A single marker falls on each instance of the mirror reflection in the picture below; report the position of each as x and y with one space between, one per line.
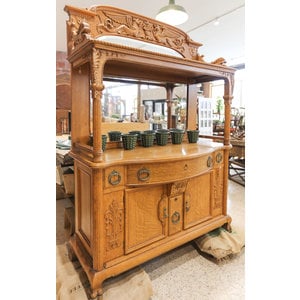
128 101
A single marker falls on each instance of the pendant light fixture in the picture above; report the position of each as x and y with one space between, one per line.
172 14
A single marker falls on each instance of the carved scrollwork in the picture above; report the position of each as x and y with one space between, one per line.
78 30
177 188
218 188
113 225
97 64
200 57
141 29
105 20
219 61
83 33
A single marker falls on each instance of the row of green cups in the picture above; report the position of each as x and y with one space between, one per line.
147 137
161 136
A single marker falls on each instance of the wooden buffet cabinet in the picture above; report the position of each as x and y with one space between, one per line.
133 205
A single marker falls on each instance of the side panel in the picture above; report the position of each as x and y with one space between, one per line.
83 205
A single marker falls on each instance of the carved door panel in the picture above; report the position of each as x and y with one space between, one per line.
145 216
197 200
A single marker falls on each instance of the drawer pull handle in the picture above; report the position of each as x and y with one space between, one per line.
175 217
219 157
187 206
209 161
165 214
185 167
162 209
143 174
114 177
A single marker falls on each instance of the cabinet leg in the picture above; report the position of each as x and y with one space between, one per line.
97 294
69 222
227 227
71 253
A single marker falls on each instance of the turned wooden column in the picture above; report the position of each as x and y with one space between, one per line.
206 87
228 90
97 65
169 88
192 107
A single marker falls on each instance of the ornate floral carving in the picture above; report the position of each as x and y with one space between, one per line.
96 75
83 33
200 57
219 61
138 28
113 225
218 188
177 188
78 30
103 20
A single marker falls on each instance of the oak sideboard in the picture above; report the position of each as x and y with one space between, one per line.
133 205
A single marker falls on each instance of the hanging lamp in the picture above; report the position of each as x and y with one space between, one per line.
172 14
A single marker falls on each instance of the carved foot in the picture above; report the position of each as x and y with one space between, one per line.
227 227
71 253
97 294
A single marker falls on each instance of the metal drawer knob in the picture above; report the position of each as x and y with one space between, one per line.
219 157
175 217
209 161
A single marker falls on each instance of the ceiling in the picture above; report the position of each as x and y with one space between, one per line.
224 40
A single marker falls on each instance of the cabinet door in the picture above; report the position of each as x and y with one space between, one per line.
197 200
145 216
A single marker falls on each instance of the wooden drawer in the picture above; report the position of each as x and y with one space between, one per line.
168 171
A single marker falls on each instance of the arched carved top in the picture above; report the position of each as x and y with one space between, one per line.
100 21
